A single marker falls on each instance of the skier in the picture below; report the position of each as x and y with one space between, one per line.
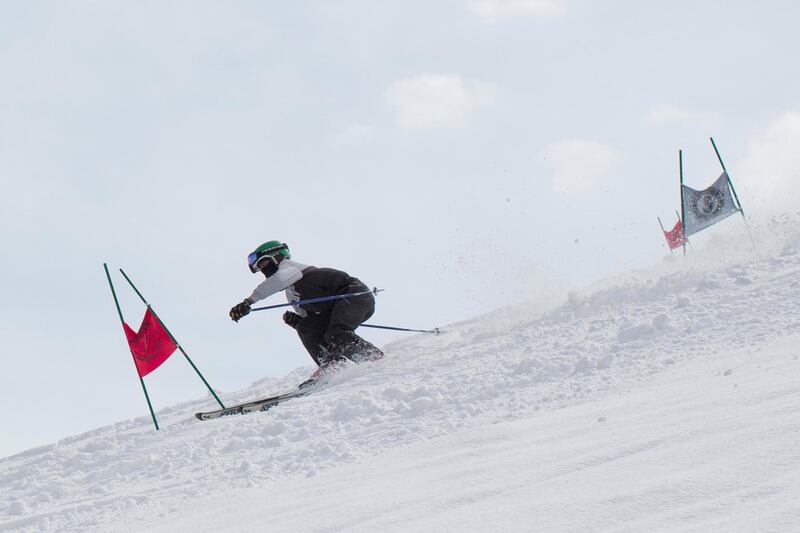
326 329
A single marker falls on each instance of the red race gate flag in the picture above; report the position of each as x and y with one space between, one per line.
675 237
151 345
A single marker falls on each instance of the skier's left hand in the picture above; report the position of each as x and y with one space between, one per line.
292 319
241 310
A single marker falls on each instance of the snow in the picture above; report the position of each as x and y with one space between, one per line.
663 400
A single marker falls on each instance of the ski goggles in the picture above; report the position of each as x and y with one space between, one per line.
257 260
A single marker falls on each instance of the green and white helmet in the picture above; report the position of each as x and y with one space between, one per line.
269 251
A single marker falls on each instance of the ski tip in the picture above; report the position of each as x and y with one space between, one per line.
199 416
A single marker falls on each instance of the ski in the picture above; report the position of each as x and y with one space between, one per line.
263 404
316 382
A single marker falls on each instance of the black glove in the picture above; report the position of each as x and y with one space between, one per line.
240 310
292 319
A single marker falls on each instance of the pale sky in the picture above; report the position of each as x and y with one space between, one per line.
459 154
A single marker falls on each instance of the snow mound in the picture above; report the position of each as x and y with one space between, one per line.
622 383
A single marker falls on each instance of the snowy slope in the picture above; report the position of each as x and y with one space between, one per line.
660 400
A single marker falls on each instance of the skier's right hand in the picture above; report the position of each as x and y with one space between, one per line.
240 310
291 319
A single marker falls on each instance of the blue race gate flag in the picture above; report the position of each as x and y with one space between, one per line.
707 207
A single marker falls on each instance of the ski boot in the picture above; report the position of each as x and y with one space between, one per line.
324 371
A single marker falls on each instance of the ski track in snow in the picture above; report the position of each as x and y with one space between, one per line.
494 388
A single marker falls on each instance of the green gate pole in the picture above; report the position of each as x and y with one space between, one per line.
174 340
735 196
665 235
119 311
730 183
685 238
683 208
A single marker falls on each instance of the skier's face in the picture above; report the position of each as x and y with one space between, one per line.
268 266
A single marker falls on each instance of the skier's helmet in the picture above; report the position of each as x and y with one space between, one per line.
270 251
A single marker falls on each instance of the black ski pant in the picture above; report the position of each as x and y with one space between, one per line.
331 335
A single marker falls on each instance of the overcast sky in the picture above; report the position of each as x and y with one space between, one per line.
459 154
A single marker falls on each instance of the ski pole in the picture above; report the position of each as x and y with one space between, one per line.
435 331
375 290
